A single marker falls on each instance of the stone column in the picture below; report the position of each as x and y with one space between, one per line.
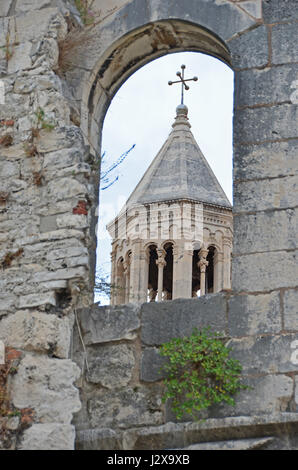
202 264
120 284
134 271
126 266
143 275
218 267
113 276
182 270
227 246
161 263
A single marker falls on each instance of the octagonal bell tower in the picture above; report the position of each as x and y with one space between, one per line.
173 238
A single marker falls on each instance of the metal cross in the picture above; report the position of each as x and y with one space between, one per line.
182 81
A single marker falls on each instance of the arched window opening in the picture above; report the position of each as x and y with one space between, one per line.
195 289
153 274
120 283
178 213
168 273
210 270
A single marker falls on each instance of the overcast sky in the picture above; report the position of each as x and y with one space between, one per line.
142 113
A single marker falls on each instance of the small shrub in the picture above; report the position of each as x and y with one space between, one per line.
42 122
199 372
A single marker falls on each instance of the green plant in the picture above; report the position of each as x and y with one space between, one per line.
199 372
42 122
84 8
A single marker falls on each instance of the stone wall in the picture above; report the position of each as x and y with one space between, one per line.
122 387
45 240
50 133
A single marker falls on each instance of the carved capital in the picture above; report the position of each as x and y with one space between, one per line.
161 253
202 264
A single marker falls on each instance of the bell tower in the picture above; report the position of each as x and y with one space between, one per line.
173 238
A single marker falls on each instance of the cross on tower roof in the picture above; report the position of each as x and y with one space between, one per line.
182 81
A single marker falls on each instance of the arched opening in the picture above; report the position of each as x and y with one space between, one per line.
210 278
120 282
152 274
135 165
168 272
195 289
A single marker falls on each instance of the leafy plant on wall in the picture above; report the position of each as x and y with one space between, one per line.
199 372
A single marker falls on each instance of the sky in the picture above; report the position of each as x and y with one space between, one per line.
142 113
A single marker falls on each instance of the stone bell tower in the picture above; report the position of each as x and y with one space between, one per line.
173 238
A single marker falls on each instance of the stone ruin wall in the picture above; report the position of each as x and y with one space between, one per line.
121 387
49 190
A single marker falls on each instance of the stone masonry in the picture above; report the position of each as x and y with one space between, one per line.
122 386
52 106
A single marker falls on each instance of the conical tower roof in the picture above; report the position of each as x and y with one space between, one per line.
179 171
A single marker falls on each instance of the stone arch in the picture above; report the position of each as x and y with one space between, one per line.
131 52
142 31
258 42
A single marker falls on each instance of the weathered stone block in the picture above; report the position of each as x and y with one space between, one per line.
65 188
73 248
37 331
284 50
266 86
54 235
179 317
48 223
50 436
296 391
151 365
20 59
266 161
277 193
265 231
9 170
265 123
59 138
269 394
250 49
254 314
72 221
264 271
290 302
66 273
34 300
268 354
64 158
98 439
106 323
275 10
238 444
126 408
111 366
4 7
171 435
42 22
227 20
46 385
7 303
